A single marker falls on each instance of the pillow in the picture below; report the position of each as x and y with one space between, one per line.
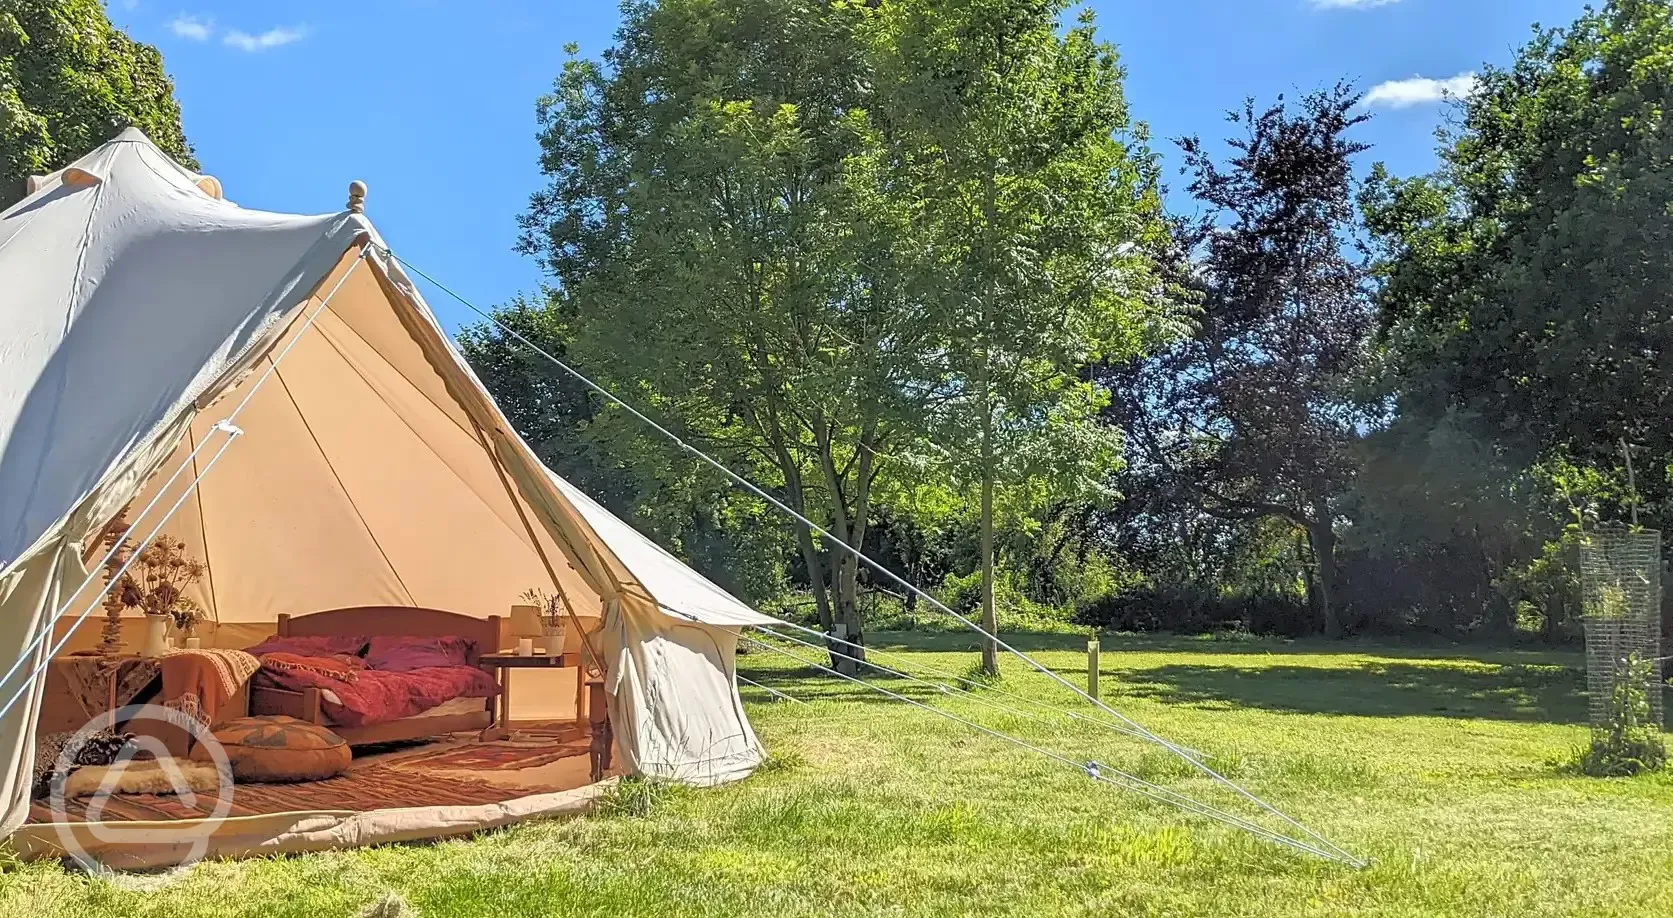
396 653
342 668
278 749
311 645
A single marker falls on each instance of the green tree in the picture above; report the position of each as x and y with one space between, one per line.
69 81
727 236
1258 415
1040 211
1526 282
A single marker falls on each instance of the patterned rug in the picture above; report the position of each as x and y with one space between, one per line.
409 780
523 750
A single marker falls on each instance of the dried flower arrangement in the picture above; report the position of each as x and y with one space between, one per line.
155 583
554 609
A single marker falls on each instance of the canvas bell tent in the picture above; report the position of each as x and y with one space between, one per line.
274 390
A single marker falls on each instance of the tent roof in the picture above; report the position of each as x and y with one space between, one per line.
131 290
128 290
659 572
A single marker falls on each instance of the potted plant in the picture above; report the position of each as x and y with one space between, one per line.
186 616
553 610
156 585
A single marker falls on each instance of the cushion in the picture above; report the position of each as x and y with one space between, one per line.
277 749
394 653
342 668
311 645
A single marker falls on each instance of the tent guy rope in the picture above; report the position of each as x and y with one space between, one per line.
1093 770
963 682
226 426
1338 853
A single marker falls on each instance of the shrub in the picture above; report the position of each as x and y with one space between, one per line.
1183 609
1016 611
1629 741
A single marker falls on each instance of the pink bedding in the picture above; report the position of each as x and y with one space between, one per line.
401 653
376 696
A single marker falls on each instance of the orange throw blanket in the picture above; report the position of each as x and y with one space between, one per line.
210 676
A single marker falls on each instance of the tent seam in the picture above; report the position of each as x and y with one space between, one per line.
343 487
420 437
425 395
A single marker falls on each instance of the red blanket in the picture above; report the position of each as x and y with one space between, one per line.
376 697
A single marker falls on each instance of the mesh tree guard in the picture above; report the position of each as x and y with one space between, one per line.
1620 582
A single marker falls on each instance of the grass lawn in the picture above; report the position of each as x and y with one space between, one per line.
1441 766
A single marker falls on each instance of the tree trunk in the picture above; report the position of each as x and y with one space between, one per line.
990 620
1322 535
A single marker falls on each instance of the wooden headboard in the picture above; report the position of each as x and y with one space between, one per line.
402 620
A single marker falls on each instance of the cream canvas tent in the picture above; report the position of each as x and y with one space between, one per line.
139 311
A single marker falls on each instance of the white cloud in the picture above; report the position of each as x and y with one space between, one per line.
272 38
1419 91
1350 4
191 27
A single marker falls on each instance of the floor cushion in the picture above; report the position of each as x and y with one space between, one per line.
278 749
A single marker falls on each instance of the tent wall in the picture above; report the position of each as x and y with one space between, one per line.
357 482
673 698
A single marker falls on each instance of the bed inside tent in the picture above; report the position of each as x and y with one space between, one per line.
271 395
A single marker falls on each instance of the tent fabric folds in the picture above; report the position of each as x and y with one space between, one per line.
138 309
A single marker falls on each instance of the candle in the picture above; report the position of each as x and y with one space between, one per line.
525 647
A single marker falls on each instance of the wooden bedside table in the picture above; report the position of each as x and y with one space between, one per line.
505 660
588 692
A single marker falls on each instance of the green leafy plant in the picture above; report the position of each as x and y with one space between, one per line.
1629 742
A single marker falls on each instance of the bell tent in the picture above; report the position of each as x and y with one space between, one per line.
273 390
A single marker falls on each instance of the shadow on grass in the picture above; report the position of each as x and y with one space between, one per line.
1515 692
807 683
1231 645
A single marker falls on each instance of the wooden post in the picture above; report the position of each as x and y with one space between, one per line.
1092 665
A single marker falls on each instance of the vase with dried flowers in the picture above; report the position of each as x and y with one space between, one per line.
156 585
554 616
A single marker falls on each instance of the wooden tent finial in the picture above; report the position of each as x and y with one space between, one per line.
357 197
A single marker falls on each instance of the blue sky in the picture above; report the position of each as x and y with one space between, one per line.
431 102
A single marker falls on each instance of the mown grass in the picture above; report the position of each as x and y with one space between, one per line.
1444 767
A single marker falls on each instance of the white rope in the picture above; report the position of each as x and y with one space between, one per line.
93 571
1094 770
939 687
751 487
23 689
943 674
225 425
768 689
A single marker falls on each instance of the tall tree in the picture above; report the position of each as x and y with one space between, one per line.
1526 285
1040 208
724 229
69 81
1257 416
